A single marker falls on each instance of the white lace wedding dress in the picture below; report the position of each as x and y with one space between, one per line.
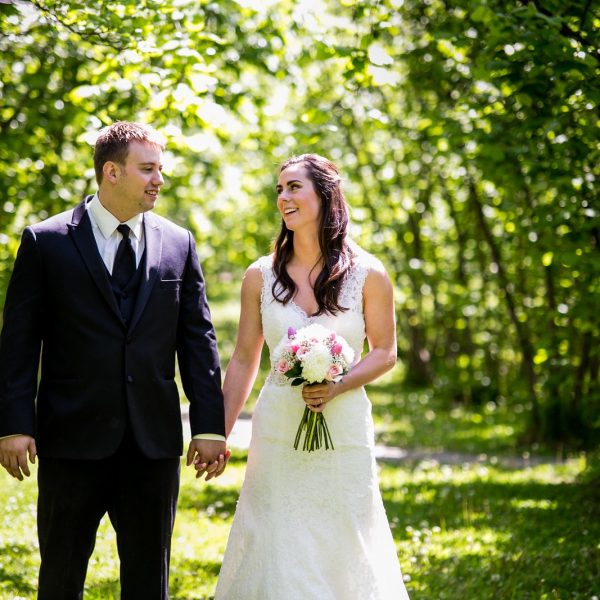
311 525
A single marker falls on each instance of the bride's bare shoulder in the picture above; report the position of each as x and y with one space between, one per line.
253 276
366 261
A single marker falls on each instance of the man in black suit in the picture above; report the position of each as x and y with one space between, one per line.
109 294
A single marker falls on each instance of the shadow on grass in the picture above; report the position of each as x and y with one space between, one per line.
417 418
189 574
103 590
18 581
222 498
494 539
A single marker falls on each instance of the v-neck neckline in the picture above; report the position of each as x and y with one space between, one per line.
302 311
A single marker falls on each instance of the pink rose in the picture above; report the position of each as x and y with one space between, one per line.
302 350
336 349
283 366
291 348
334 371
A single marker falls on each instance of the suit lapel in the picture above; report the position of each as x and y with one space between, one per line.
152 256
80 229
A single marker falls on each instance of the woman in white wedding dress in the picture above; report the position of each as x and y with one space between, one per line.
311 525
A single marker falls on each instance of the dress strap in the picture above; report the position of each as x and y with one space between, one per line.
265 264
351 296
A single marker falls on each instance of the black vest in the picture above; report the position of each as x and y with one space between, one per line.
127 297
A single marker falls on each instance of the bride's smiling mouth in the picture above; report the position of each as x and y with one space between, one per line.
289 211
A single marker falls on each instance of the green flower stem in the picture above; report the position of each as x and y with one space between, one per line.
317 432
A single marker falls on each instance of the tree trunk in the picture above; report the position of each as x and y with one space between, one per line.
521 327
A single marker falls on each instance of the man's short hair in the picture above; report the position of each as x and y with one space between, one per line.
113 143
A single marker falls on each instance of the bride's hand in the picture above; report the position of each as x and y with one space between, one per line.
317 395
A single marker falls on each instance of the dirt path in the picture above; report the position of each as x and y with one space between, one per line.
240 438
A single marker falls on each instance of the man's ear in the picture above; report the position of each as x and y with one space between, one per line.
111 171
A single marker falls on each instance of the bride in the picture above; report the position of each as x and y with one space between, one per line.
311 525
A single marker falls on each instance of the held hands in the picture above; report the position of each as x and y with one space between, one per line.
13 455
317 395
209 457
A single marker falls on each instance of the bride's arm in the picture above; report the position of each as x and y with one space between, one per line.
380 324
244 363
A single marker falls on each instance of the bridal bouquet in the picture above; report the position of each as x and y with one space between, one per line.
313 354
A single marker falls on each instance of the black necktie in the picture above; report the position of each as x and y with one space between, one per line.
124 266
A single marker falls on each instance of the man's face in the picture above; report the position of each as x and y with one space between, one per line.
140 178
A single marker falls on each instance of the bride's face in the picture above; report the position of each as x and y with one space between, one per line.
297 200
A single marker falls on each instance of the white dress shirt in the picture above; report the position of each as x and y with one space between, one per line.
104 226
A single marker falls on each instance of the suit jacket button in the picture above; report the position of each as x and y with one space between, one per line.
129 379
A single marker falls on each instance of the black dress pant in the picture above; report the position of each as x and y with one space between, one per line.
140 496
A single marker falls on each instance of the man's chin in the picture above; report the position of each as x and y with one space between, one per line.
147 204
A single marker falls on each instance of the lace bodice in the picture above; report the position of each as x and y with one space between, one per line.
350 324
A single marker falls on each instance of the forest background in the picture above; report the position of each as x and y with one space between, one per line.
466 132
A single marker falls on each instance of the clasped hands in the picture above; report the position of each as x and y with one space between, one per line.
209 457
316 395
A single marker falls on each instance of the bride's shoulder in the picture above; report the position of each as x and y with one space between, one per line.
257 271
264 263
252 281
365 262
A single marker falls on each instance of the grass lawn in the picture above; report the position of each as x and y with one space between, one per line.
470 531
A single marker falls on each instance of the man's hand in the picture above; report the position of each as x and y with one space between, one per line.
208 456
13 454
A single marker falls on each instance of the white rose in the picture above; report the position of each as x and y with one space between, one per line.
316 363
313 331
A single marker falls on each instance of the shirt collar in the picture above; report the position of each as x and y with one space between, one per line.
107 222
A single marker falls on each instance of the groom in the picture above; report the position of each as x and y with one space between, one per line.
109 293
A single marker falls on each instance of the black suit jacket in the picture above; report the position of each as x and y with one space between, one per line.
96 372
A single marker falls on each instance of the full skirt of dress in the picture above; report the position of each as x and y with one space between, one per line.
310 525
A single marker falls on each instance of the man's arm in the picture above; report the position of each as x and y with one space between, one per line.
20 343
200 370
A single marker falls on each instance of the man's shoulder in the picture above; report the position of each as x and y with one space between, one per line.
155 220
56 223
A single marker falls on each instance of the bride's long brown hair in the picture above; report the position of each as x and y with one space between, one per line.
333 224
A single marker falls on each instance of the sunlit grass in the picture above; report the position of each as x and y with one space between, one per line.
470 531
478 532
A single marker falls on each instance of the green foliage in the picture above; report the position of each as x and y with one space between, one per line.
467 133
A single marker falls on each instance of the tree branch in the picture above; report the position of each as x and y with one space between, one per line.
568 32
104 38
585 12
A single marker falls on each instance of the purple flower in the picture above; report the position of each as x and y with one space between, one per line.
291 332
